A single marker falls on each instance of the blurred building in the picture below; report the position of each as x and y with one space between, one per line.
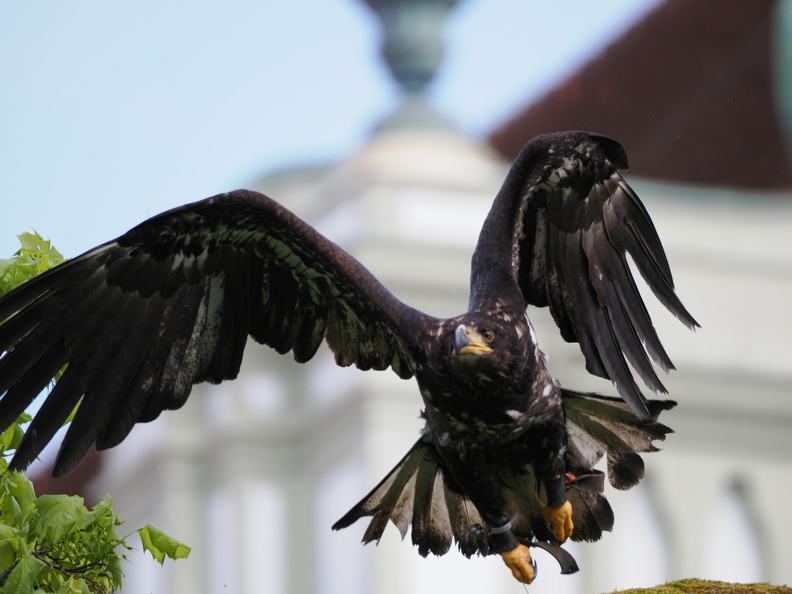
253 473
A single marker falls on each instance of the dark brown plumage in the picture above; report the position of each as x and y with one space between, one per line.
141 319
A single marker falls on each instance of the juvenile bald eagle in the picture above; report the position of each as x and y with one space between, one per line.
506 457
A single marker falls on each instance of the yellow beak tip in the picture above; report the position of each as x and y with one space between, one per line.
473 349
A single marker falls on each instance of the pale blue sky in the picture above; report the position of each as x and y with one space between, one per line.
113 111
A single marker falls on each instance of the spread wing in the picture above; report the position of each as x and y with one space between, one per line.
561 226
141 319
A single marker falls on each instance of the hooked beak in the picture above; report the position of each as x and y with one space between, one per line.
468 342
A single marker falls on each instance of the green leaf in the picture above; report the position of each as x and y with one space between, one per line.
101 515
23 577
57 516
17 495
161 545
8 538
12 437
5 265
34 257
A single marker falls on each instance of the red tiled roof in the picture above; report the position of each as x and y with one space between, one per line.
688 91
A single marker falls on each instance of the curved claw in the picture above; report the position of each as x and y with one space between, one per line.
519 560
560 520
565 560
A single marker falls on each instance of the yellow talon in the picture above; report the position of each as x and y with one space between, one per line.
560 520
519 561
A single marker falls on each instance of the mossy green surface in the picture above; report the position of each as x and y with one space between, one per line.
694 586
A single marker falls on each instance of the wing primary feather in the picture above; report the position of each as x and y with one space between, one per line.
633 213
340 336
92 307
43 309
24 356
65 274
137 400
223 355
41 333
617 268
312 332
168 390
596 325
50 418
565 304
598 252
559 299
661 289
278 307
631 230
49 360
106 369
131 399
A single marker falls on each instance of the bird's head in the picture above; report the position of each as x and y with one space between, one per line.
489 344
472 341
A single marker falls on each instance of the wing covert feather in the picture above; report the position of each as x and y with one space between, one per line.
169 304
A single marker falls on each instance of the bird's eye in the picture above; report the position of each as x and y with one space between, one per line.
487 335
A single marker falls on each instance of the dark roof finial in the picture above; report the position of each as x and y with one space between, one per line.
413 42
413 49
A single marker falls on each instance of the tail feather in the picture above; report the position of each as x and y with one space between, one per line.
599 425
625 469
420 494
591 514
462 514
382 502
431 527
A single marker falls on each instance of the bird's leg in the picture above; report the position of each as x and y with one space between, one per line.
477 481
558 511
560 520
519 561
550 466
